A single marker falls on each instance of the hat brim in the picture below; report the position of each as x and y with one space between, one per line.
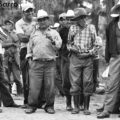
43 17
78 18
8 21
28 8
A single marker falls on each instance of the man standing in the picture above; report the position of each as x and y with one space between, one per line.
4 93
112 56
81 43
65 24
42 48
11 54
24 28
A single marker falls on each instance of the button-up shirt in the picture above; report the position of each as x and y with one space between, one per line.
40 46
81 39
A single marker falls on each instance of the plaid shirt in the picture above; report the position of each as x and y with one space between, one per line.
82 40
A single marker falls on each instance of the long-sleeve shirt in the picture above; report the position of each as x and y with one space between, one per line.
40 46
82 40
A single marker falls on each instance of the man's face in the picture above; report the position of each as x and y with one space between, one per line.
82 21
28 13
44 22
63 21
9 26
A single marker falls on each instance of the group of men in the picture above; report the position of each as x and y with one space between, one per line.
68 52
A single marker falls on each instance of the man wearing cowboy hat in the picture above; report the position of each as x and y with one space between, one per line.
24 28
11 54
64 59
42 49
81 43
112 56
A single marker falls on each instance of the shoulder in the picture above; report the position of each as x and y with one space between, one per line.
54 32
20 22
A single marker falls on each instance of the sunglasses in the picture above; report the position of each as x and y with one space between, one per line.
43 19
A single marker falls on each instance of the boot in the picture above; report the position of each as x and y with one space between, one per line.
76 104
86 105
68 103
81 102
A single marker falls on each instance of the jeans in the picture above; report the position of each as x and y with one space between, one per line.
42 72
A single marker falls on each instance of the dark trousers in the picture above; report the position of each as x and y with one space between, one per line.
58 76
95 72
4 93
24 70
80 67
65 74
42 72
15 70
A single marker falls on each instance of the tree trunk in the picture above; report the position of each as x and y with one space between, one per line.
109 5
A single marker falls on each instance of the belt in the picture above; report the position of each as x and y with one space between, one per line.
83 55
45 60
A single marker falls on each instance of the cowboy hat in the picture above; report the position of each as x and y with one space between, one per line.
79 12
42 14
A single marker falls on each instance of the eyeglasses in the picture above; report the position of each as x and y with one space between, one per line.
43 19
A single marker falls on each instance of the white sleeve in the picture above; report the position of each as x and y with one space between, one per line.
18 28
57 39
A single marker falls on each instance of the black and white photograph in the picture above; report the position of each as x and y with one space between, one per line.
59 59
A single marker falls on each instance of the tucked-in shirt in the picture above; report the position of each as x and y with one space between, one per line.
25 28
40 46
81 39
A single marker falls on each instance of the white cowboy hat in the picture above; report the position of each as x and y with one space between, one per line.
27 6
70 14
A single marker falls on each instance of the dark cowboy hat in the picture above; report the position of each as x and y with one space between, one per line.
116 8
8 21
79 12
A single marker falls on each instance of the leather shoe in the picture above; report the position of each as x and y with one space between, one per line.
87 112
0 110
49 110
30 110
69 108
13 105
100 109
75 111
24 106
104 114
